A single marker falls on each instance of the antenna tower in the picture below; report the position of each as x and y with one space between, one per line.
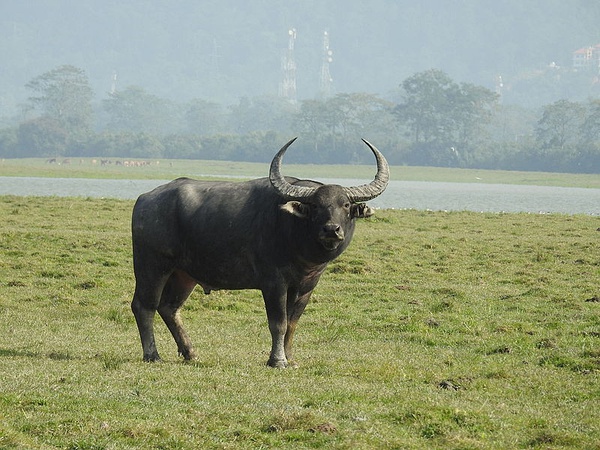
113 84
325 81
499 86
214 60
287 88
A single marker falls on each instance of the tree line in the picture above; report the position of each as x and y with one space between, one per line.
430 120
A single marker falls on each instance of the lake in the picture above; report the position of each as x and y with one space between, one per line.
434 196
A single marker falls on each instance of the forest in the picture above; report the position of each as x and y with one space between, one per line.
433 120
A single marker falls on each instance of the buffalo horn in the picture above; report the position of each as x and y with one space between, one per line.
356 194
285 189
376 187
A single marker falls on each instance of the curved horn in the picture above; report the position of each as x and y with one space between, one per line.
376 187
285 189
356 194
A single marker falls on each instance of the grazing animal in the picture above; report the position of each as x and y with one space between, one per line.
273 234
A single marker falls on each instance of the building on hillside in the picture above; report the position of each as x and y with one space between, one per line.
587 57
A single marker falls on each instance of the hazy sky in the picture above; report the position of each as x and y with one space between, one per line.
225 49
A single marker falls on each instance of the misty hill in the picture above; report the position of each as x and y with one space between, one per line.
221 50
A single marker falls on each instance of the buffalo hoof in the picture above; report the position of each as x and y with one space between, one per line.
292 364
277 363
152 358
188 355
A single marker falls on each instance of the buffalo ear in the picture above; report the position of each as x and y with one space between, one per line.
298 209
362 210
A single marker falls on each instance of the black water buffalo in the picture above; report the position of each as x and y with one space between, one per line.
273 234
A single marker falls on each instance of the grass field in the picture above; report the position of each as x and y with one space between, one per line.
169 169
434 330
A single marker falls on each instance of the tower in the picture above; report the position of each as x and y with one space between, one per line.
113 84
287 88
326 81
215 71
499 88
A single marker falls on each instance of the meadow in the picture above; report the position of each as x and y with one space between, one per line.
169 169
434 330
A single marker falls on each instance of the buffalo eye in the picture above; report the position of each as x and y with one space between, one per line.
348 208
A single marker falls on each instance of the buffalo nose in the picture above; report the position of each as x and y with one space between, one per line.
331 228
333 231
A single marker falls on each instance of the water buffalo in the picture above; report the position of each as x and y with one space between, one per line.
273 234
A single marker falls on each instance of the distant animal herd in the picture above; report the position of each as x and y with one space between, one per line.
105 162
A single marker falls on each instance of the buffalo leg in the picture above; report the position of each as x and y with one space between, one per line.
176 291
145 302
295 309
275 304
144 318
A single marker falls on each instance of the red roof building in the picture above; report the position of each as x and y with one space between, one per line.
587 56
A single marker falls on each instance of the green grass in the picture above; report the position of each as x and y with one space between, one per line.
169 169
433 331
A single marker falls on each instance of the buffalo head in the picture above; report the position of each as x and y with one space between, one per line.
329 209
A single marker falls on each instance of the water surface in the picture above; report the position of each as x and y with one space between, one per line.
399 194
